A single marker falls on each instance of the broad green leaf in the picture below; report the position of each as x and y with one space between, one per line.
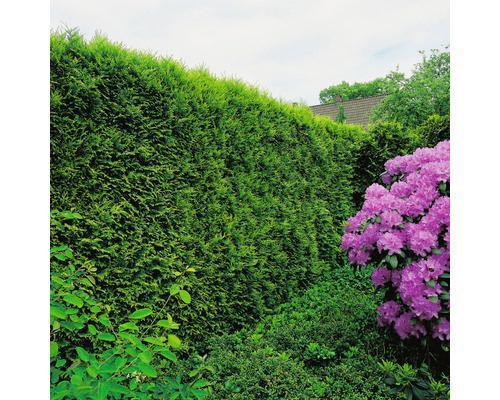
91 371
167 324
128 326
201 383
82 353
106 336
70 215
140 314
174 341
174 289
105 321
54 349
58 312
119 363
72 299
92 329
146 356
185 296
393 261
147 370
118 389
76 380
60 362
133 384
95 309
167 354
155 340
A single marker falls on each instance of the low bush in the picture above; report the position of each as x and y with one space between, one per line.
244 369
328 337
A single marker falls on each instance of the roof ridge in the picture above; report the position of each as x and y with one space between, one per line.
349 101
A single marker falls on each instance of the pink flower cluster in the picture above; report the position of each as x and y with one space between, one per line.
404 229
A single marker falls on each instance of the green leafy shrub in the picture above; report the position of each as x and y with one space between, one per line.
426 92
354 377
92 358
385 140
433 130
327 337
328 319
130 365
174 169
245 369
409 383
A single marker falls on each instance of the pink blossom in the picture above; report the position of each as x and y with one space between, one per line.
411 218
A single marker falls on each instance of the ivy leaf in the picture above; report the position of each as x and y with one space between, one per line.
185 296
141 313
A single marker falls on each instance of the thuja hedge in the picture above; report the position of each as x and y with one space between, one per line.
386 140
172 168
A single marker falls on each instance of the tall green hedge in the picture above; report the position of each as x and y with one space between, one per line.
173 168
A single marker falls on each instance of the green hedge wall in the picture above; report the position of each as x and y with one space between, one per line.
173 168
386 140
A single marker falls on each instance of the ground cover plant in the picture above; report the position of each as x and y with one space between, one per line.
322 345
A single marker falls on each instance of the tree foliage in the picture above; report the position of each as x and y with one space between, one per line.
410 100
359 90
424 93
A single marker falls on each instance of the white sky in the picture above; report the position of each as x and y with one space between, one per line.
289 48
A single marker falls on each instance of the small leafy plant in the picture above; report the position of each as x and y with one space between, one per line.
410 383
91 358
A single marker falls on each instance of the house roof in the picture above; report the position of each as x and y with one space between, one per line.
356 111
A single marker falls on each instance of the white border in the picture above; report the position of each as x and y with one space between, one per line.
24 166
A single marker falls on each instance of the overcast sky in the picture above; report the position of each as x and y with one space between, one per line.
289 48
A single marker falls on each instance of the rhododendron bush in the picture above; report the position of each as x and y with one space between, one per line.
403 229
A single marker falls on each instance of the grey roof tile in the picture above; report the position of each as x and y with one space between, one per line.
356 111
